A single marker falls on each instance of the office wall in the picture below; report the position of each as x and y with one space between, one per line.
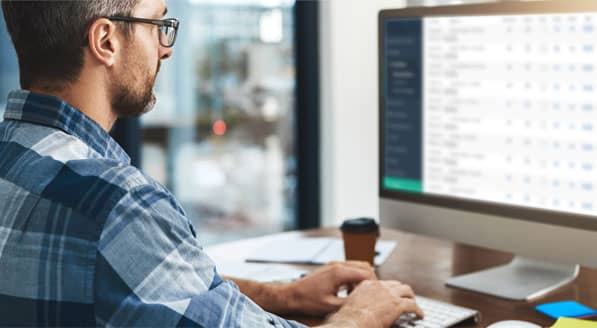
349 107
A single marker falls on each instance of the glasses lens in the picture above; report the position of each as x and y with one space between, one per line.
167 36
171 35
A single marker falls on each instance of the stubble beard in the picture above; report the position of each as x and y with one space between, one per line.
128 100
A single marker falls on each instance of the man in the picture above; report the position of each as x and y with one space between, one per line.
87 239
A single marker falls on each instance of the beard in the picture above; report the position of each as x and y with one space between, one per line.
130 100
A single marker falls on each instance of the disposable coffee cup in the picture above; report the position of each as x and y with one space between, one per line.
360 236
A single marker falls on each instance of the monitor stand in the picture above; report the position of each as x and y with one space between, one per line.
522 279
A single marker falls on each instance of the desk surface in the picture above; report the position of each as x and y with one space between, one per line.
426 263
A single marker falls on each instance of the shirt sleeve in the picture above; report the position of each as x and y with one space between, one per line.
151 271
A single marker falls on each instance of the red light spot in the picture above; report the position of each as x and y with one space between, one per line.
219 128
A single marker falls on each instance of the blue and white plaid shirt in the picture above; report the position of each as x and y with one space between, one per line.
86 239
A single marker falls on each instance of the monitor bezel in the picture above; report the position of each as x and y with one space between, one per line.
566 219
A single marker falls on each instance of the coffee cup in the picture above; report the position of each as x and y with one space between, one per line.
360 236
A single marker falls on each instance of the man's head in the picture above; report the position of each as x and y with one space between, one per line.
61 43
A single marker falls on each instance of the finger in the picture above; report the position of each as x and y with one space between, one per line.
360 264
408 305
333 303
363 266
350 288
357 264
345 275
406 291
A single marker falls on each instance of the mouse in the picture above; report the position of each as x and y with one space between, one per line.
513 324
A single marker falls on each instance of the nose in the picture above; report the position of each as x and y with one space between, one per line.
165 53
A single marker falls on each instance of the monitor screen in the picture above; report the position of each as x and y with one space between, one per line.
492 113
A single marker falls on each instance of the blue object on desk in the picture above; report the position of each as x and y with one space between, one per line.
569 309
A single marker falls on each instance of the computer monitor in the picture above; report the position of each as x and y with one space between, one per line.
488 135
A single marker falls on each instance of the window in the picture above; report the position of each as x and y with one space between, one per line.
222 134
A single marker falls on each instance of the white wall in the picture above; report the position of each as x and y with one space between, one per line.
349 108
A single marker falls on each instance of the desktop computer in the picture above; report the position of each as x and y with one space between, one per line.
488 135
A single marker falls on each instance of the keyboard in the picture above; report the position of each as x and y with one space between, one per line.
437 315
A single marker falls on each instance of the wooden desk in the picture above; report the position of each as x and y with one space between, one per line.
425 264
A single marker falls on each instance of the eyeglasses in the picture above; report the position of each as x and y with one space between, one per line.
168 27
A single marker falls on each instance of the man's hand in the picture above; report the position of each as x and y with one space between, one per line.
375 304
372 303
316 293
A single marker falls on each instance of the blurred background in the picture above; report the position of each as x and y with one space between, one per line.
222 135
237 133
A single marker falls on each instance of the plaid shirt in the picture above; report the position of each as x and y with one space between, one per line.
86 239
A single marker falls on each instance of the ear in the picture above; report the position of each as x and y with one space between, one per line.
104 42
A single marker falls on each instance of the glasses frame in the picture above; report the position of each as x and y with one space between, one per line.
168 22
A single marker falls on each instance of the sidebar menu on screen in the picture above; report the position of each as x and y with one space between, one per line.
403 169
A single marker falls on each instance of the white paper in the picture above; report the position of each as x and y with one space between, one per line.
260 272
318 250
230 260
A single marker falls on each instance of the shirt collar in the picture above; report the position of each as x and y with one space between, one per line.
23 105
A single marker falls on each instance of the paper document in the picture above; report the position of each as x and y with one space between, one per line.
230 260
318 250
260 272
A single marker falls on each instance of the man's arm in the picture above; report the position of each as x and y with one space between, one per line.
315 294
151 271
272 297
